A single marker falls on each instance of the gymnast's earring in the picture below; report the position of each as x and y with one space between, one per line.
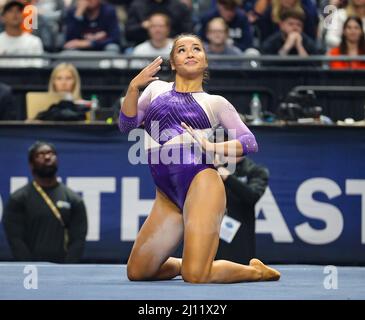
172 65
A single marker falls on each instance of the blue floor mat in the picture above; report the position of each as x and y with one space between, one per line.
109 282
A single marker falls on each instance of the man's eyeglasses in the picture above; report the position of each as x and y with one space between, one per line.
43 154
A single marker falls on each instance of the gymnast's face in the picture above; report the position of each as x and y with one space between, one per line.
189 58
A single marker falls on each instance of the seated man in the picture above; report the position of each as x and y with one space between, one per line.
219 44
15 41
159 43
290 40
44 29
45 220
268 22
218 38
92 25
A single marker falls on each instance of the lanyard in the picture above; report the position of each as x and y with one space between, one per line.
54 210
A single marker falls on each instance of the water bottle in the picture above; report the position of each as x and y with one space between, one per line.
256 109
94 106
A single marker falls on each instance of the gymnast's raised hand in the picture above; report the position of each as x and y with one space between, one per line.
142 79
147 74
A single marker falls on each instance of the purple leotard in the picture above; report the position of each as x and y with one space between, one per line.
162 109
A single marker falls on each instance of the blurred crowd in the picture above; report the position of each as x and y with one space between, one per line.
146 27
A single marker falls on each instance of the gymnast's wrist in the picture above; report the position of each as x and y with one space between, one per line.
208 146
133 88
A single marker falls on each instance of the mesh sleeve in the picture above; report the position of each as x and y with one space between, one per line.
232 123
126 123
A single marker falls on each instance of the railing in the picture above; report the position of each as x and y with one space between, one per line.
110 60
342 89
339 92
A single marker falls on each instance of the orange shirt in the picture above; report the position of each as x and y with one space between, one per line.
344 64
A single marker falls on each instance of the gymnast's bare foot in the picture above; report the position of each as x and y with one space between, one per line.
268 274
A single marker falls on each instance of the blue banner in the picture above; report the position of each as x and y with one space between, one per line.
312 212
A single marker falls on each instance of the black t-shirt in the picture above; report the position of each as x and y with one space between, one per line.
33 231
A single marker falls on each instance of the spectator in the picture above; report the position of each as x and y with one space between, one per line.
352 44
15 41
92 25
44 30
8 110
139 11
65 79
290 40
335 28
239 28
159 43
217 35
45 220
268 24
244 188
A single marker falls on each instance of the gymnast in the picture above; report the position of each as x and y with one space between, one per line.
190 196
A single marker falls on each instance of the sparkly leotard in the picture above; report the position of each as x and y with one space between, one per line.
162 109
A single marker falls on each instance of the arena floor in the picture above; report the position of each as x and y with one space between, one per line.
109 282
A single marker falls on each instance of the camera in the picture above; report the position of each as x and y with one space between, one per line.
299 105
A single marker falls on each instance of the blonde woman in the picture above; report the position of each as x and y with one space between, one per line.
65 79
65 82
334 26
